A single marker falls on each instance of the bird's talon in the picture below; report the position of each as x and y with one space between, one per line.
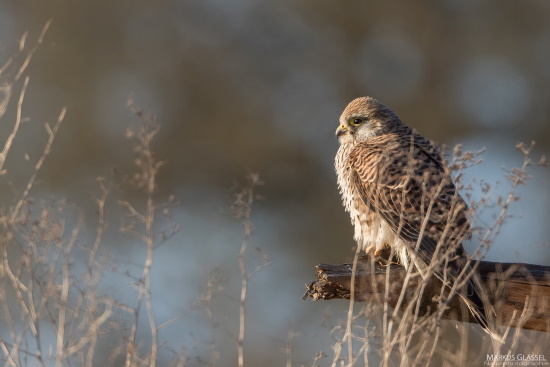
372 250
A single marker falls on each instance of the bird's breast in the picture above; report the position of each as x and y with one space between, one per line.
344 175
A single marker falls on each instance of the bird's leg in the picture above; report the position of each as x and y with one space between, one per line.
382 255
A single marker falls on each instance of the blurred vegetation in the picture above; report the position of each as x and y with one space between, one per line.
259 86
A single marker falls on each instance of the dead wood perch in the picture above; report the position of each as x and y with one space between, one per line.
513 286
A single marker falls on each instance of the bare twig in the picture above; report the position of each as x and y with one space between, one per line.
241 208
145 179
51 135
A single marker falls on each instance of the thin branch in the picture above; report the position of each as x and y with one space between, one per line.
51 136
9 140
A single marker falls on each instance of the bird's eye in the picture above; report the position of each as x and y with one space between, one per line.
356 121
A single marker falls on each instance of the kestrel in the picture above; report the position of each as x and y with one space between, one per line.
399 193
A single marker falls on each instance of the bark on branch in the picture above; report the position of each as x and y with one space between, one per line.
512 288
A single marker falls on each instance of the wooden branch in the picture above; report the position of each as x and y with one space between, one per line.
515 287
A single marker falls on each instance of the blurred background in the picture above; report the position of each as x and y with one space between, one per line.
247 86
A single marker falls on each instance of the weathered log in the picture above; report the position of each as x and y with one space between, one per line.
510 287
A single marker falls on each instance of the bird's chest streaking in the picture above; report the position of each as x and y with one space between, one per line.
372 233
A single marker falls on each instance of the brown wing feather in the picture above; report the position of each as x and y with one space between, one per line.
401 178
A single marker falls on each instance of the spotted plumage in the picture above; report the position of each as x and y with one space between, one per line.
399 193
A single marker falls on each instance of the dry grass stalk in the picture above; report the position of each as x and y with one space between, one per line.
241 208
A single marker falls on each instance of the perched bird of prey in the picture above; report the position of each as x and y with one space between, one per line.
399 193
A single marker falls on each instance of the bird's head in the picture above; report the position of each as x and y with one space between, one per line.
365 118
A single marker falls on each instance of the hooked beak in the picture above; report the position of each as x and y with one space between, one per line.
341 131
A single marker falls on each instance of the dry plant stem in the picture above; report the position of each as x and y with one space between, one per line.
34 319
350 309
19 287
517 177
150 166
288 349
348 334
386 308
51 136
101 224
242 306
247 224
9 140
241 208
318 357
210 289
13 353
64 294
389 340
415 324
147 180
461 279
149 261
366 342
33 50
21 70
88 304
6 87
